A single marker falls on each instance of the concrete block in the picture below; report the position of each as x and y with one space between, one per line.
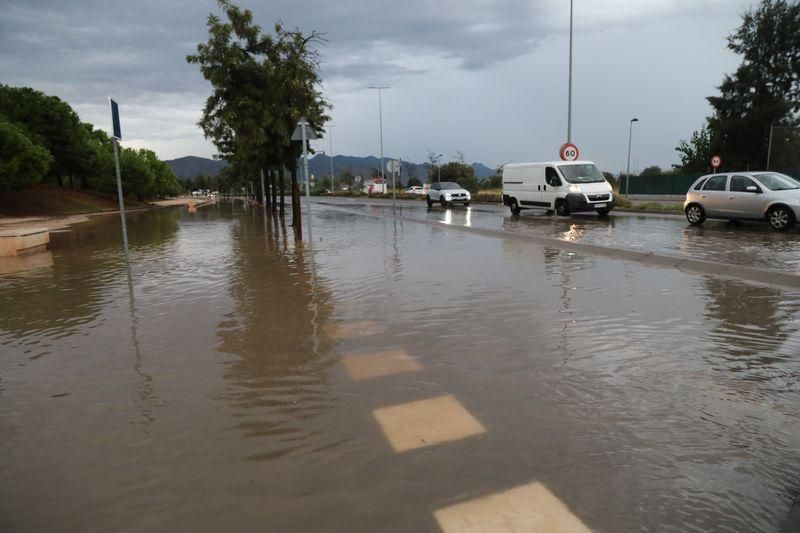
19 241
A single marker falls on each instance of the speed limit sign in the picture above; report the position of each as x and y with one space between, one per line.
716 161
569 152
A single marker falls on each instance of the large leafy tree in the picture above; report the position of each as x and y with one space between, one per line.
52 123
262 85
461 173
23 162
764 91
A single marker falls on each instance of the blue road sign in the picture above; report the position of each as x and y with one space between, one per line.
115 119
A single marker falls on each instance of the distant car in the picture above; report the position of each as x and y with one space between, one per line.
769 196
447 193
416 189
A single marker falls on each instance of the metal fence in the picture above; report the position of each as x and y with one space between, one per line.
667 184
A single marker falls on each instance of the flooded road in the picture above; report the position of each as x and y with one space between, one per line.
391 376
746 243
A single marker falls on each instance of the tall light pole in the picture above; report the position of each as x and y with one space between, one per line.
630 137
569 97
379 88
330 142
439 167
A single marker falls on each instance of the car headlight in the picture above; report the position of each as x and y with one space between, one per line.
447 196
575 188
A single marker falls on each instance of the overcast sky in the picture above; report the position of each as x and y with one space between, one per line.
484 77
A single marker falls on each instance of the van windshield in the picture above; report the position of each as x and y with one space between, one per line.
581 173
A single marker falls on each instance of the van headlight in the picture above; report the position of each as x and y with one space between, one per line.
575 188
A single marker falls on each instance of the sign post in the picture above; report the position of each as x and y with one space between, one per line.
716 162
393 165
117 136
301 133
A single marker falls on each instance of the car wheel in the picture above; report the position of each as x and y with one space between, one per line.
602 212
466 204
562 209
514 206
428 201
780 218
695 214
444 204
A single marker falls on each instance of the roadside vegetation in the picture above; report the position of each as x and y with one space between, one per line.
43 141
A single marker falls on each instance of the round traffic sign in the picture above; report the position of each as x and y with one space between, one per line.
716 161
569 152
393 165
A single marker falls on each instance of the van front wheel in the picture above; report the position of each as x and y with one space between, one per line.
562 209
514 206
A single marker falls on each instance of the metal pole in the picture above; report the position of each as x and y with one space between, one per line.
121 203
305 168
380 122
393 185
769 148
330 140
630 138
569 98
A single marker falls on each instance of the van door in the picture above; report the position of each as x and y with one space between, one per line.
551 187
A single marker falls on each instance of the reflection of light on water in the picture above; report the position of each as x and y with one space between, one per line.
574 234
468 222
448 217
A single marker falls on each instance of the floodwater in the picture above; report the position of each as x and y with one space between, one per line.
391 376
744 243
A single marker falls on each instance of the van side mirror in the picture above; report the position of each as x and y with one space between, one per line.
553 181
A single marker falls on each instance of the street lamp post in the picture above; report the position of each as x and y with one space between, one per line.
439 168
330 146
379 88
630 137
569 96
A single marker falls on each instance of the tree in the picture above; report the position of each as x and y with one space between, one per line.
764 90
51 123
461 173
654 170
696 153
262 85
492 182
23 162
413 182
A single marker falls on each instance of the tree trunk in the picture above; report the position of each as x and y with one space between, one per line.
272 188
60 181
282 189
297 220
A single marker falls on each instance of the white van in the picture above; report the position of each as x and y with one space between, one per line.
562 187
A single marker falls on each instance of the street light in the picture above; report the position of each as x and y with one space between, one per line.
630 137
379 88
330 141
439 168
569 95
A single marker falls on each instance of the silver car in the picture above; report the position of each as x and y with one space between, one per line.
766 196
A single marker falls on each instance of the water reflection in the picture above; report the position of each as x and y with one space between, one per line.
279 367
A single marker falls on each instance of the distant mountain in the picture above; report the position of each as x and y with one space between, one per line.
191 166
319 165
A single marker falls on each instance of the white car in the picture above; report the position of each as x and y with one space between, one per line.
447 193
415 189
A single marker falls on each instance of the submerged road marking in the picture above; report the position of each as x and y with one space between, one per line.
379 364
530 508
426 423
350 330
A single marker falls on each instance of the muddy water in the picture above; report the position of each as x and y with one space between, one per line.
213 392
